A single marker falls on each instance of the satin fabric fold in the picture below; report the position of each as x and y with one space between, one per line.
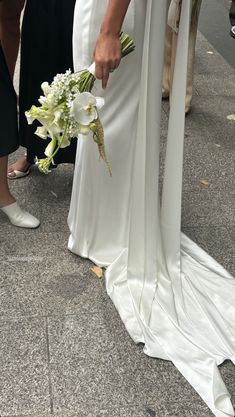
170 294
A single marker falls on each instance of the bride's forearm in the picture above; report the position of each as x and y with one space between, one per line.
107 54
114 16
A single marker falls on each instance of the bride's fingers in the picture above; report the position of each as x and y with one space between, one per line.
102 73
98 71
105 78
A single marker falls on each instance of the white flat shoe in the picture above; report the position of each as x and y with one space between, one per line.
19 217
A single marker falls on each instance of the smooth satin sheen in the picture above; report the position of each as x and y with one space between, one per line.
170 294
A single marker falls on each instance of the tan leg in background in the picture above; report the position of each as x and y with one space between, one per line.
166 82
191 55
10 12
170 51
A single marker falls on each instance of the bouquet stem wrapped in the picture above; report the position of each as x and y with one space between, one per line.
68 109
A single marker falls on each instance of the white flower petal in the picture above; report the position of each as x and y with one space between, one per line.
41 132
84 118
86 99
83 130
99 102
29 117
45 88
66 142
50 148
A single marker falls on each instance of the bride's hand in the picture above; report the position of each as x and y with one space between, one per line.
107 56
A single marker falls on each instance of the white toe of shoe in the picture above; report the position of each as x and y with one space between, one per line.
19 217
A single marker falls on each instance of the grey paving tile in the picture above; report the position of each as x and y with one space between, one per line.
228 375
165 107
42 414
24 389
47 287
207 63
24 380
215 110
56 222
96 412
23 341
182 408
93 360
206 159
89 412
164 118
207 208
206 85
214 129
82 332
170 409
217 241
25 244
56 184
137 411
74 390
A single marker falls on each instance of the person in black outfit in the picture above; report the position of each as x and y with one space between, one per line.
9 143
232 19
46 50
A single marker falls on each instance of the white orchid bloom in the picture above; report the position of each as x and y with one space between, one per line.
84 108
50 148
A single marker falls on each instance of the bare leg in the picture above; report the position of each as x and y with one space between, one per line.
10 30
191 54
5 196
8 204
166 82
10 38
170 52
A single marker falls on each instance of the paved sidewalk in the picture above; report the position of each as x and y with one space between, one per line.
64 351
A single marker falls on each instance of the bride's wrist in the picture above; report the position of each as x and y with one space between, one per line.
109 31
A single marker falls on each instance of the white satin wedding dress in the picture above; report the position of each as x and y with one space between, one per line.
170 294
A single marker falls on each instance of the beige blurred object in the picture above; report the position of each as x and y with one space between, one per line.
171 44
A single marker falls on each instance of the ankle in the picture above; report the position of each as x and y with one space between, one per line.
6 200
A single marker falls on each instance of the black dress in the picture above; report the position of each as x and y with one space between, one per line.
9 140
46 50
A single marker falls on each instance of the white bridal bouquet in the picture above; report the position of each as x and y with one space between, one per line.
68 108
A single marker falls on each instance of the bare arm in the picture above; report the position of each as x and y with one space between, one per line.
107 54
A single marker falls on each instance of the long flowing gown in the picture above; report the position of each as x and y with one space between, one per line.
170 294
